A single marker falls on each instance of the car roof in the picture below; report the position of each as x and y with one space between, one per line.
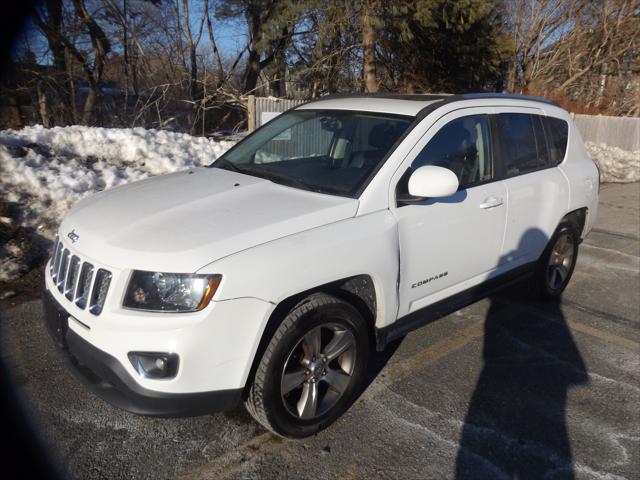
405 104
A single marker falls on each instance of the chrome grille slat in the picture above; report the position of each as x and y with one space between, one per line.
62 272
85 281
72 277
99 291
56 262
79 281
54 249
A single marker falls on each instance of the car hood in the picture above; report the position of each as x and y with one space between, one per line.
181 222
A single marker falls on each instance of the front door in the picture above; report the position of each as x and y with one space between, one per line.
450 244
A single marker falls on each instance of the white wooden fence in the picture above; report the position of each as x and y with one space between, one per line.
262 109
622 132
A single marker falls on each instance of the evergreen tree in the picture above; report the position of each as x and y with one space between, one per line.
405 45
444 46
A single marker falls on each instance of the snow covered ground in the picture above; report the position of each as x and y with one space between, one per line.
43 172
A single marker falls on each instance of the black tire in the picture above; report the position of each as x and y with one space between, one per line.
548 285
266 401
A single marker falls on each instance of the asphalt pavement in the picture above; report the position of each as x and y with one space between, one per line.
505 388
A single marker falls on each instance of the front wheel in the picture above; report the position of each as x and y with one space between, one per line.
313 368
557 262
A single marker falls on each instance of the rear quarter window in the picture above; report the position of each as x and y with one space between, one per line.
557 135
523 146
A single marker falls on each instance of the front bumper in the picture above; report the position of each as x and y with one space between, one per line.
109 380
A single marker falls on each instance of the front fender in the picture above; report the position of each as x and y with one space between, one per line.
282 268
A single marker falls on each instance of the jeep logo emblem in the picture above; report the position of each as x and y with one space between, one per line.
73 236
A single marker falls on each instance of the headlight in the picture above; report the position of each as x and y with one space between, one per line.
170 292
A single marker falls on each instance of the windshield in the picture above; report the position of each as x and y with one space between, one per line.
323 151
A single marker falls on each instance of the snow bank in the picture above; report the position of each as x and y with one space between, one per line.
616 165
43 172
46 171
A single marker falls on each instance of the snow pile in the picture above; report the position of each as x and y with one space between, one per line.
46 171
616 165
10 267
43 172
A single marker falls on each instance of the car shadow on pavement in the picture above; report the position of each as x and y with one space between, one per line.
515 426
379 360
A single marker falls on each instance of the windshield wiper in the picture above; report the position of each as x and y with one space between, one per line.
278 177
264 172
227 165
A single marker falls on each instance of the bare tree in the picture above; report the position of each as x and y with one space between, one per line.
93 69
368 46
577 50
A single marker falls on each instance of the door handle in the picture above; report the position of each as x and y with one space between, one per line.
491 202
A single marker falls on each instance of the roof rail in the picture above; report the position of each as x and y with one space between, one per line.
420 97
438 99
516 96
441 98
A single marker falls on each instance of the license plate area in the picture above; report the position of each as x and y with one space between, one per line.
57 321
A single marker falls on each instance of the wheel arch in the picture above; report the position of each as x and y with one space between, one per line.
358 290
578 218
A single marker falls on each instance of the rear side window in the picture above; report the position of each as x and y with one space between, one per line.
541 141
557 135
523 144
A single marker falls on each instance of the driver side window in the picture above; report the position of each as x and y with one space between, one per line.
463 146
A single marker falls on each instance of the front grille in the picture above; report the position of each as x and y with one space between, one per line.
78 280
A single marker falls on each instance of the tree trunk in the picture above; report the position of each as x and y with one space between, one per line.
125 51
193 66
101 47
368 46
279 85
253 72
214 46
512 74
73 110
42 106
602 83
53 35
89 105
253 66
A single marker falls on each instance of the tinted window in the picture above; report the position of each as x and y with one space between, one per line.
462 146
519 145
558 133
541 141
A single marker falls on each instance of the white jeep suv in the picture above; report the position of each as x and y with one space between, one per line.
271 275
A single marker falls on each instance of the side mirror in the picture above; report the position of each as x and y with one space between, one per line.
433 182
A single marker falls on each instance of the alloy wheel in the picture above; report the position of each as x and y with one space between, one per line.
560 261
318 370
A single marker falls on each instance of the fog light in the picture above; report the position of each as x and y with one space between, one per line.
154 364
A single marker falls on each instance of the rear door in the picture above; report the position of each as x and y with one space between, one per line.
537 191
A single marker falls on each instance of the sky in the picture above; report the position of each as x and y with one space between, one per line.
230 35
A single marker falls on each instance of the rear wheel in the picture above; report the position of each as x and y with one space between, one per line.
312 369
557 263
